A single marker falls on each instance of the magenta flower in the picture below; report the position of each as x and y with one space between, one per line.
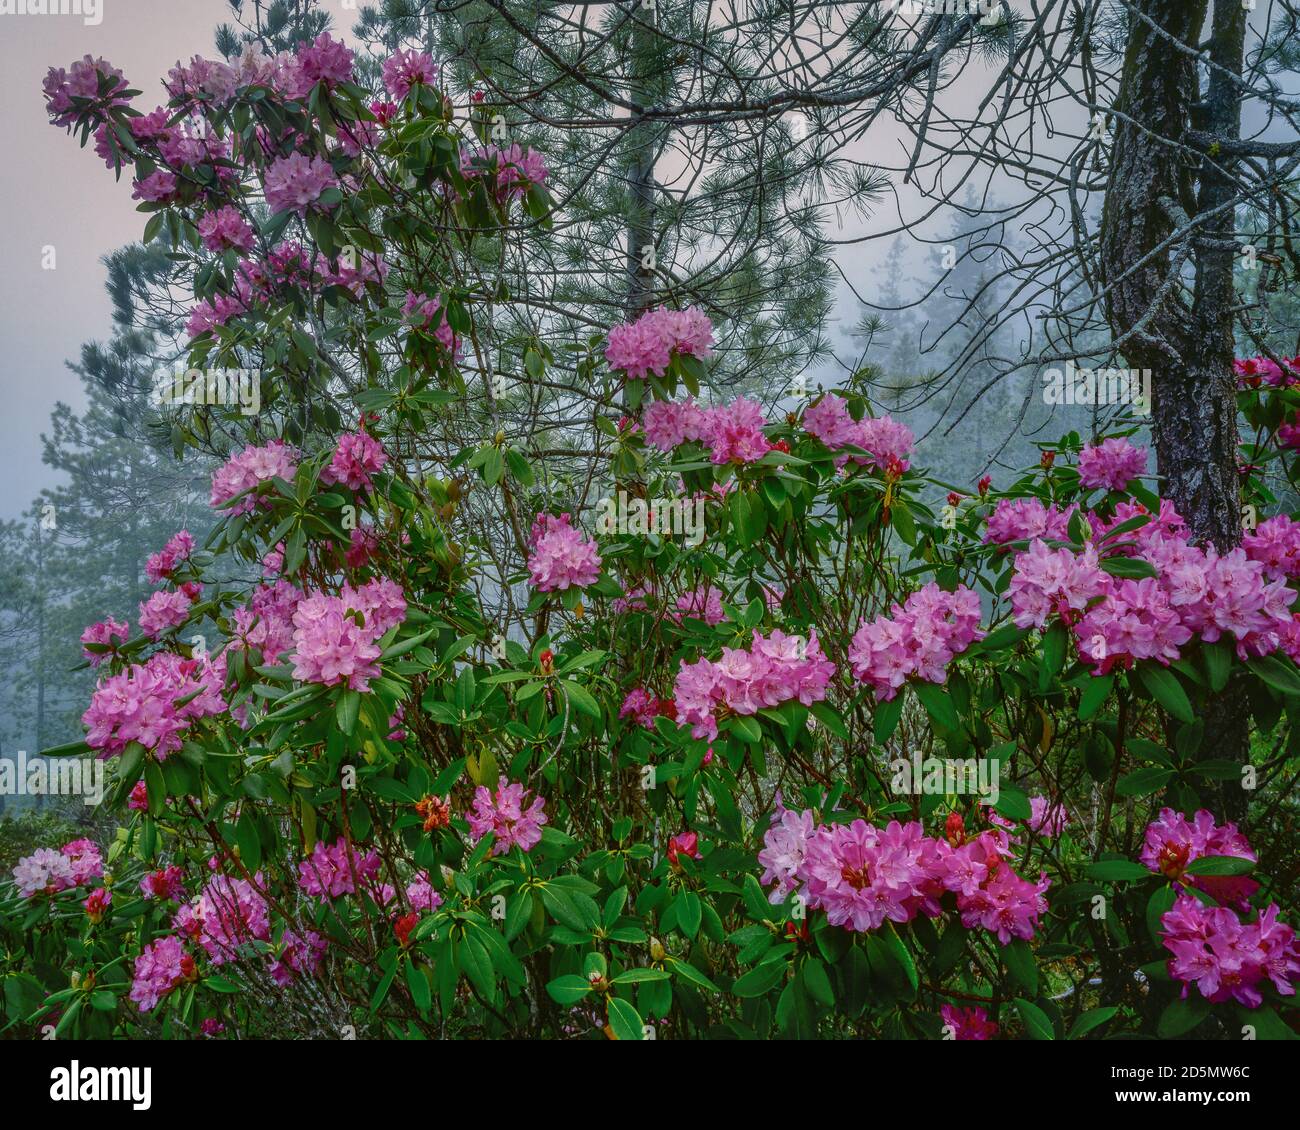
1225 958
358 456
562 557
968 1023
919 640
1021 519
406 69
225 228
335 870
248 468
140 704
296 182
161 966
162 564
105 633
1172 841
163 611
502 813
648 344
1111 464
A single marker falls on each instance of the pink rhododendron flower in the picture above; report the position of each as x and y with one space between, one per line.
358 456
921 637
246 469
296 182
1225 958
405 69
299 955
562 556
511 171
785 844
45 871
1275 544
89 86
644 708
225 228
647 345
421 311
502 813
1134 622
139 798
140 704
158 187
1111 464
334 870
330 647
1172 842
105 633
1022 519
968 1023
266 622
161 966
1057 582
668 423
735 433
162 564
162 612
776 669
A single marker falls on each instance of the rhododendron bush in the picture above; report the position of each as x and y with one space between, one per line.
870 756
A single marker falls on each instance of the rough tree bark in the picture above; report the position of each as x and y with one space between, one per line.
1161 193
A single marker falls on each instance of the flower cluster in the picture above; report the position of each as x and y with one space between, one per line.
775 669
1021 519
1172 842
224 228
358 456
886 442
248 468
335 870
162 564
510 172
164 611
47 872
968 1023
296 182
153 703
406 69
919 639
648 344
1111 464
161 966
502 813
644 708
1226 958
421 311
733 433
562 556
106 633
863 876
335 638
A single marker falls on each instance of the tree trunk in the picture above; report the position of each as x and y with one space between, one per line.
1154 192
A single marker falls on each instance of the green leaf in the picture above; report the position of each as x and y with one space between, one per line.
1143 782
1181 1016
1093 1018
1035 1020
938 705
625 1021
1095 692
1166 690
1117 871
568 989
1019 960
1220 865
